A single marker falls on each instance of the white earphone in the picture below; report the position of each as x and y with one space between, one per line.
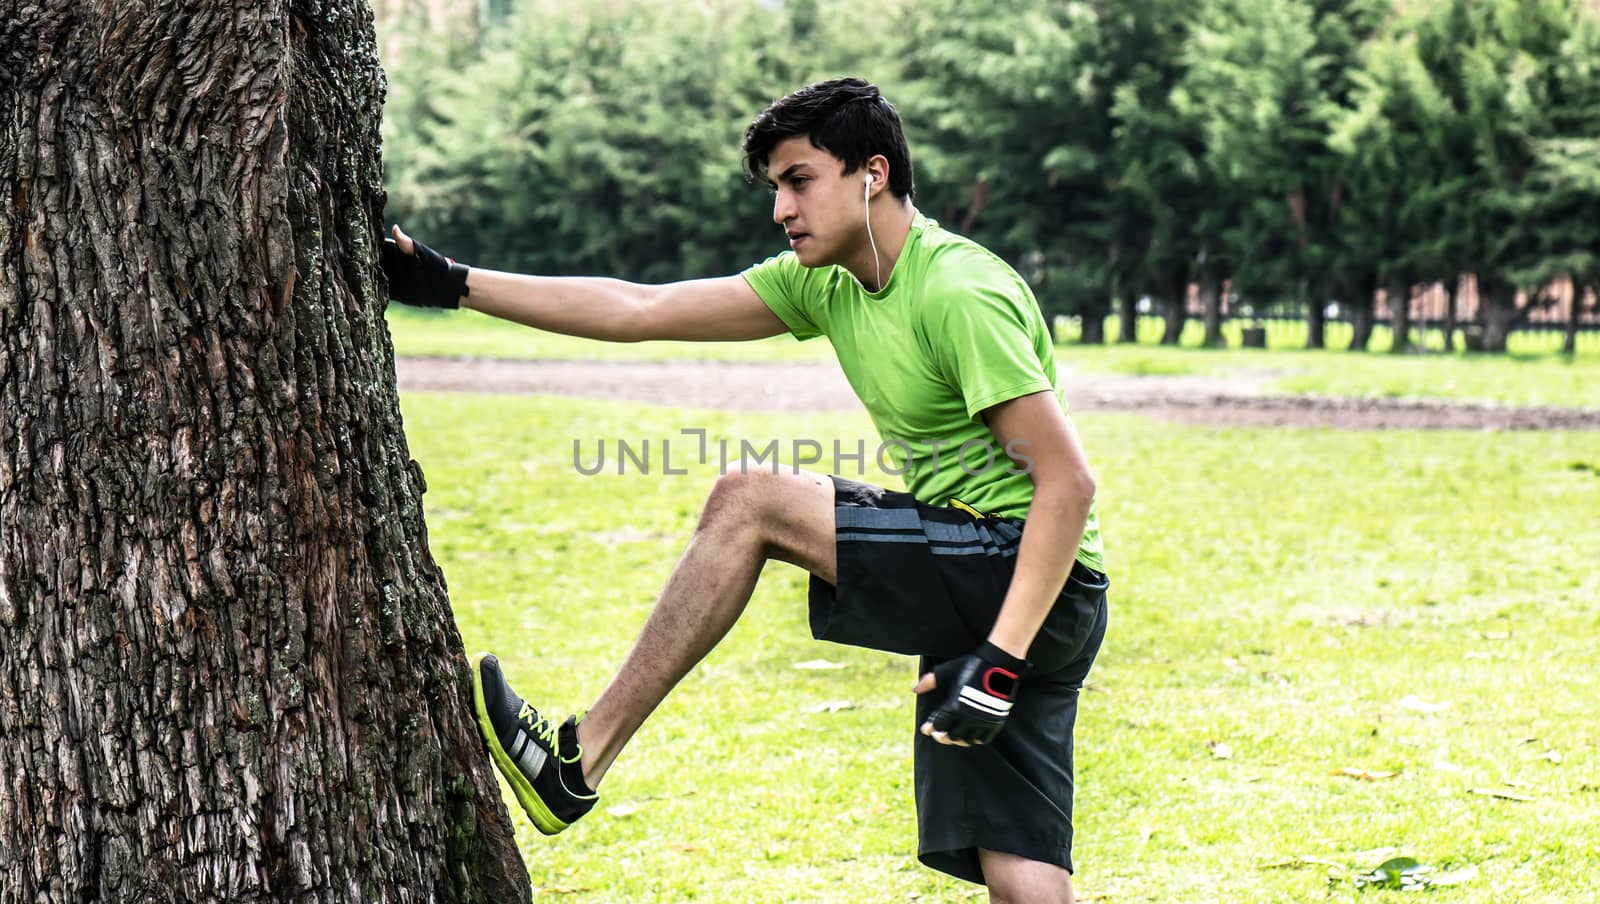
866 192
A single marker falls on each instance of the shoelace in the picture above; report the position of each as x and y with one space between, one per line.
537 725
545 730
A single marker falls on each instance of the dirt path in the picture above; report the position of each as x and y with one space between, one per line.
1236 400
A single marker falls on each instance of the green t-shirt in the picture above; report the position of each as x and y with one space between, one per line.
954 331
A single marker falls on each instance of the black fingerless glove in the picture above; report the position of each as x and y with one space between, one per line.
424 278
980 688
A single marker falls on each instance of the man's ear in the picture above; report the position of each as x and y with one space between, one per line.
877 169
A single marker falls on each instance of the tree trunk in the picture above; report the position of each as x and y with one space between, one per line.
1093 308
1361 320
1497 303
1452 298
1094 328
1211 303
1569 342
228 666
1128 317
1316 318
1398 298
1177 317
1177 297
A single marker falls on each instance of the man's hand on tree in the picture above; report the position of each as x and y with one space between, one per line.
419 275
980 688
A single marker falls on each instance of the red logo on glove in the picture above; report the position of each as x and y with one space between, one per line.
1010 680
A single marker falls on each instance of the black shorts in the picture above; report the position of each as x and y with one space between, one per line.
928 581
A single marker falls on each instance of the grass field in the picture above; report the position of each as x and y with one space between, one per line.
1526 377
1533 373
1303 601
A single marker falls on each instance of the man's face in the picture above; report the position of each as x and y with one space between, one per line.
819 207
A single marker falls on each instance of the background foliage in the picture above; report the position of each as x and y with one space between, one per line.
1290 152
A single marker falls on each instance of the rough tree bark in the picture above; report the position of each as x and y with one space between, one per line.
228 666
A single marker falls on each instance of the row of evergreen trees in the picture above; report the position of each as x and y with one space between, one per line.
1296 150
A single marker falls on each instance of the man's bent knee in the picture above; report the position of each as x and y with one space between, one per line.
738 493
750 484
791 512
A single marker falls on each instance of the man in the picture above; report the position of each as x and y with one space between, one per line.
947 349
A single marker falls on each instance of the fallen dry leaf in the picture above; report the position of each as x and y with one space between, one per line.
685 848
1219 750
819 665
1418 705
830 706
562 890
1366 775
679 796
1456 876
1503 795
1302 863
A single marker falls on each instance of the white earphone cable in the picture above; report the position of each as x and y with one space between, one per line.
866 189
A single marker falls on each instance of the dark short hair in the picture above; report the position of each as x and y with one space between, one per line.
846 117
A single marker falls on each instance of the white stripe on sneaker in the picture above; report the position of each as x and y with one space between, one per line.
987 703
532 757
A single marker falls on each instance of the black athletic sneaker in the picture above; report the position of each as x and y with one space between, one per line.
538 758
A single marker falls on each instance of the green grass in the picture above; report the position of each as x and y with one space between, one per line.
1509 380
1533 373
1281 592
1526 377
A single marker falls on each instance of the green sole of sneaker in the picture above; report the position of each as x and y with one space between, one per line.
542 818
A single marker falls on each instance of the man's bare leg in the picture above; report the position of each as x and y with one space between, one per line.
1017 879
752 515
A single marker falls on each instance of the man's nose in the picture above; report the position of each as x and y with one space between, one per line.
782 208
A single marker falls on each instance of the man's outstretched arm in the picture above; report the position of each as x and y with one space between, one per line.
719 309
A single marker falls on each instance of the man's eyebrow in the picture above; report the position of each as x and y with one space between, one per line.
789 173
